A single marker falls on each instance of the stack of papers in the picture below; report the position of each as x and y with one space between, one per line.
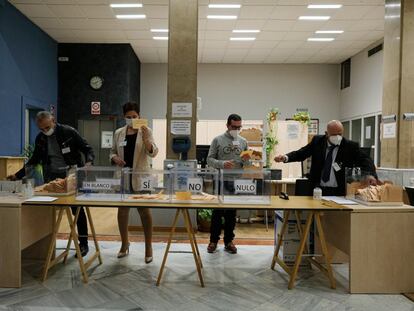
41 199
339 200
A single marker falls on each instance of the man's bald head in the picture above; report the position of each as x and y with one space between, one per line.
334 127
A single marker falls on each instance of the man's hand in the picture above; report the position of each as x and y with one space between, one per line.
118 161
280 158
372 181
12 177
246 157
228 164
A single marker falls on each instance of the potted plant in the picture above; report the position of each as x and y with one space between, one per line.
303 117
270 137
204 219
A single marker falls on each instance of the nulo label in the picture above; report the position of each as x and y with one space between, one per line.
195 184
95 185
148 184
244 186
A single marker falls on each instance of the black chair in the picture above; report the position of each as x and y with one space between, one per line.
303 187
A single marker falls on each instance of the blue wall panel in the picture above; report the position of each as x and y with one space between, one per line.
28 75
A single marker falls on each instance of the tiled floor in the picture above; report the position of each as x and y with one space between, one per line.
233 282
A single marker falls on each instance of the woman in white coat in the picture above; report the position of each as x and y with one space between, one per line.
133 148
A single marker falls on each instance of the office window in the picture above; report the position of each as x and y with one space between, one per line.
346 74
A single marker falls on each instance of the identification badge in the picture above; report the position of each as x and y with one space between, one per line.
122 144
236 143
66 150
336 167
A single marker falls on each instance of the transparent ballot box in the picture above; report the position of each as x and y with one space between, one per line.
195 185
146 186
61 183
245 186
97 183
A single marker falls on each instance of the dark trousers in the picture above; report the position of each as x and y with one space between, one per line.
81 224
229 224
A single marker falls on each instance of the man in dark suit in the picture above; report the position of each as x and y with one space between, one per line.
331 154
56 147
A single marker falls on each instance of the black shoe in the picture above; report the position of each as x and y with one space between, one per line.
84 249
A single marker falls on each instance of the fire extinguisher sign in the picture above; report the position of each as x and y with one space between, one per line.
95 107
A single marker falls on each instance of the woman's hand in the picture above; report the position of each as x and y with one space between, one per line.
118 161
146 138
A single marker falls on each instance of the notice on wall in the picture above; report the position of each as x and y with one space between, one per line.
368 132
182 110
95 107
293 131
181 127
389 130
106 139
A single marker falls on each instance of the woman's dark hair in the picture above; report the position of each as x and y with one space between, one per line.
130 106
233 117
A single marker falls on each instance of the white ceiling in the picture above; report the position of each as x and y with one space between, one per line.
283 38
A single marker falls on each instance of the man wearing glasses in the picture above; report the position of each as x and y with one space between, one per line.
224 153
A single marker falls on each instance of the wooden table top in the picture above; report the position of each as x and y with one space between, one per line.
294 203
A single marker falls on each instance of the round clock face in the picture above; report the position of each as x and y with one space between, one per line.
96 82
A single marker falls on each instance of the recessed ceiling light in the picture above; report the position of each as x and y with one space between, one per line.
246 31
329 31
160 38
221 16
126 5
314 18
242 39
224 6
324 6
131 16
321 39
159 30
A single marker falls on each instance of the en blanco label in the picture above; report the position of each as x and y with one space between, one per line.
95 185
66 150
195 184
243 186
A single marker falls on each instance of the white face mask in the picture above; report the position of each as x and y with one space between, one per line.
128 122
234 133
335 139
49 132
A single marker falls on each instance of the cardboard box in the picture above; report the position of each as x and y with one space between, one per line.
252 134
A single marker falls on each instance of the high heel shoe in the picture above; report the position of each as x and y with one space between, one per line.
148 259
123 254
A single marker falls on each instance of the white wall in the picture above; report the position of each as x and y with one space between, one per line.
364 96
250 90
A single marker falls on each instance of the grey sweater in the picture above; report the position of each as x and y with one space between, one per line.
225 148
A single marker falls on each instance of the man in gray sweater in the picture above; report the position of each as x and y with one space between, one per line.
224 153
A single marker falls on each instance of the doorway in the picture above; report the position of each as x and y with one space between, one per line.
98 132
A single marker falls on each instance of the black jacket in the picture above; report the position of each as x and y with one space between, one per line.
349 155
66 136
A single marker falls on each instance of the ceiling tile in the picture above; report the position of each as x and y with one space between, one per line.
217 35
69 11
289 12
45 23
138 34
290 44
220 24
259 44
250 24
351 12
272 36
156 11
97 11
256 12
278 25
376 13
35 10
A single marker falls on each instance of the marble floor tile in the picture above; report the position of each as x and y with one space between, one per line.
233 282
